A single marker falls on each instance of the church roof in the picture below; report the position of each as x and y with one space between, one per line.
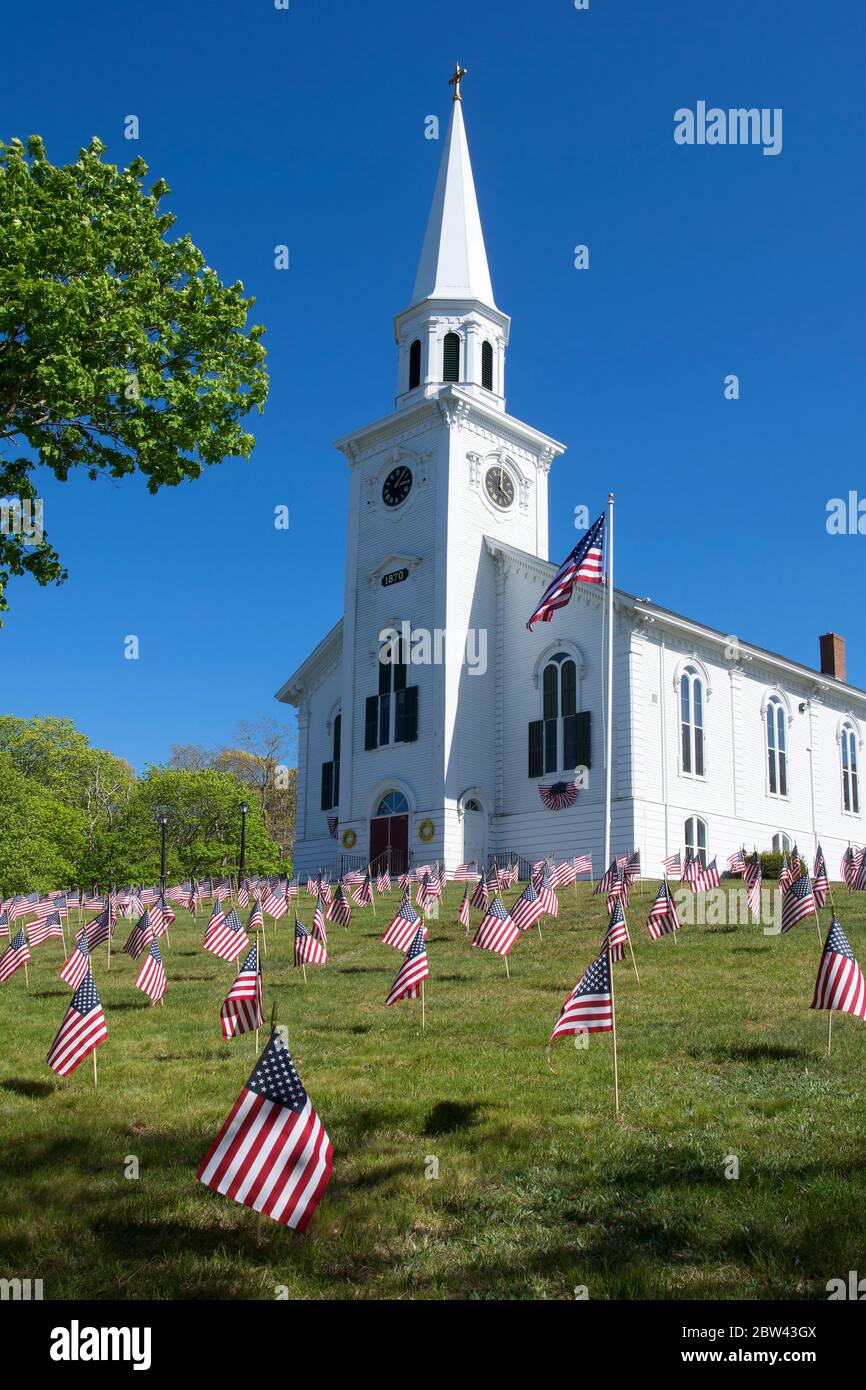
453 261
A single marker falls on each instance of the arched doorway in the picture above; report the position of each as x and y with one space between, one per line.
389 834
474 833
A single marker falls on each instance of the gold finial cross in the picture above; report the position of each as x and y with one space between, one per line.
459 74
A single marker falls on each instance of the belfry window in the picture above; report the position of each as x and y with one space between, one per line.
451 357
415 364
487 365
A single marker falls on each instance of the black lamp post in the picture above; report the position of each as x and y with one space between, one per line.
244 812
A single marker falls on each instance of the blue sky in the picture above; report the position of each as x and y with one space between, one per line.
306 127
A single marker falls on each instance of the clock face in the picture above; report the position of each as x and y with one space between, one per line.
397 486
499 486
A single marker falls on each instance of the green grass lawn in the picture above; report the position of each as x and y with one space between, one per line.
540 1188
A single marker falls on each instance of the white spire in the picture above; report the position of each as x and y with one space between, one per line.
453 261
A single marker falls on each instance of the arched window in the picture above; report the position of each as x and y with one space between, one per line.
415 364
559 687
781 843
487 365
393 803
696 838
472 805
692 721
777 756
451 357
850 774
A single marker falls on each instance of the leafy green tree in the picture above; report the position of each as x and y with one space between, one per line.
120 350
42 839
202 809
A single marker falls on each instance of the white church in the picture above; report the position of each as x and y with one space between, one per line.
441 752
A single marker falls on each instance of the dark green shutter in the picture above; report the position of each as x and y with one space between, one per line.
415 364
569 741
384 720
582 740
371 721
487 366
550 732
536 747
327 786
406 715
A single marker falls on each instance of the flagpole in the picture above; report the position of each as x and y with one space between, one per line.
423 1007
609 710
613 1023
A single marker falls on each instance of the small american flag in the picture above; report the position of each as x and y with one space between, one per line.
753 878
319 931
607 880
737 862
274 904
820 881
583 864
562 875
225 937
798 902
339 909
544 889
17 953
528 908
4 922
786 878
412 972
83 1029
257 921
151 977
383 881
589 1007
583 563
43 927
497 931
363 894
332 826
840 984
663 917
463 912
673 865
308 950
465 873
849 867
859 883
78 964
707 878
241 1010
139 938
616 936
402 929
480 896
272 1153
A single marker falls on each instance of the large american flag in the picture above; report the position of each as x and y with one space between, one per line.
241 1010
225 936
663 917
840 983
414 969
272 1153
405 924
497 930
17 953
798 902
83 1029
589 1007
151 977
583 563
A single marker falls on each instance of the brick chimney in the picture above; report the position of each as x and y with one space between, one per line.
832 655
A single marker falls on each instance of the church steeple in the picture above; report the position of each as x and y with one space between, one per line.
453 261
453 334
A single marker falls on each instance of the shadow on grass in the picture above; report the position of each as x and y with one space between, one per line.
754 1052
447 1116
28 1088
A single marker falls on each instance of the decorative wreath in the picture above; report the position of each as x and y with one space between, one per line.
349 839
426 830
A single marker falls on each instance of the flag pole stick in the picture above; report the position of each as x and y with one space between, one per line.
26 976
538 924
608 732
631 948
423 1007
93 1055
505 958
829 1032
304 969
613 1024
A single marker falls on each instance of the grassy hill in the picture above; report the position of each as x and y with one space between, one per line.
540 1189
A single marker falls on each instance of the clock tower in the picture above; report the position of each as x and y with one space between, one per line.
433 486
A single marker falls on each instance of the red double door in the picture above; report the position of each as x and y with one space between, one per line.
389 843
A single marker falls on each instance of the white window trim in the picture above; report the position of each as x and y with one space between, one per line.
701 673
849 724
572 653
776 697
